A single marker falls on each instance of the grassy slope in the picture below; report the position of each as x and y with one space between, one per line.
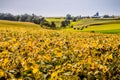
18 26
105 25
107 28
85 22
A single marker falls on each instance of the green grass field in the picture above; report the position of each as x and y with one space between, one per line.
91 21
107 28
98 25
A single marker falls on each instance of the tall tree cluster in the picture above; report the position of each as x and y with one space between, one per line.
25 18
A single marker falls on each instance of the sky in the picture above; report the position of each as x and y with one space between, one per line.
60 7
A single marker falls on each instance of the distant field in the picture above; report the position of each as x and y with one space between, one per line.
87 22
98 25
56 20
107 28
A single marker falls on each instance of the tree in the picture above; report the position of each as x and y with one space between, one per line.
65 23
106 16
17 18
7 16
35 19
68 17
25 18
42 20
53 25
74 19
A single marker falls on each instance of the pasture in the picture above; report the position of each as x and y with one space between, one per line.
106 28
98 25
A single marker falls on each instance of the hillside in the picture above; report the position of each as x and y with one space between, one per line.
106 28
97 25
18 26
94 21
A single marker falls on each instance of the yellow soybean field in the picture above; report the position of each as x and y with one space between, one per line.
58 55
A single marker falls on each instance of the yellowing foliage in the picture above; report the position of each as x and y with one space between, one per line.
2 73
110 56
58 55
35 70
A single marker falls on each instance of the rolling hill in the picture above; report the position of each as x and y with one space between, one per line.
18 26
98 25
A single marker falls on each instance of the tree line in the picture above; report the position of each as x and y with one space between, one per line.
27 18
36 19
24 17
41 20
